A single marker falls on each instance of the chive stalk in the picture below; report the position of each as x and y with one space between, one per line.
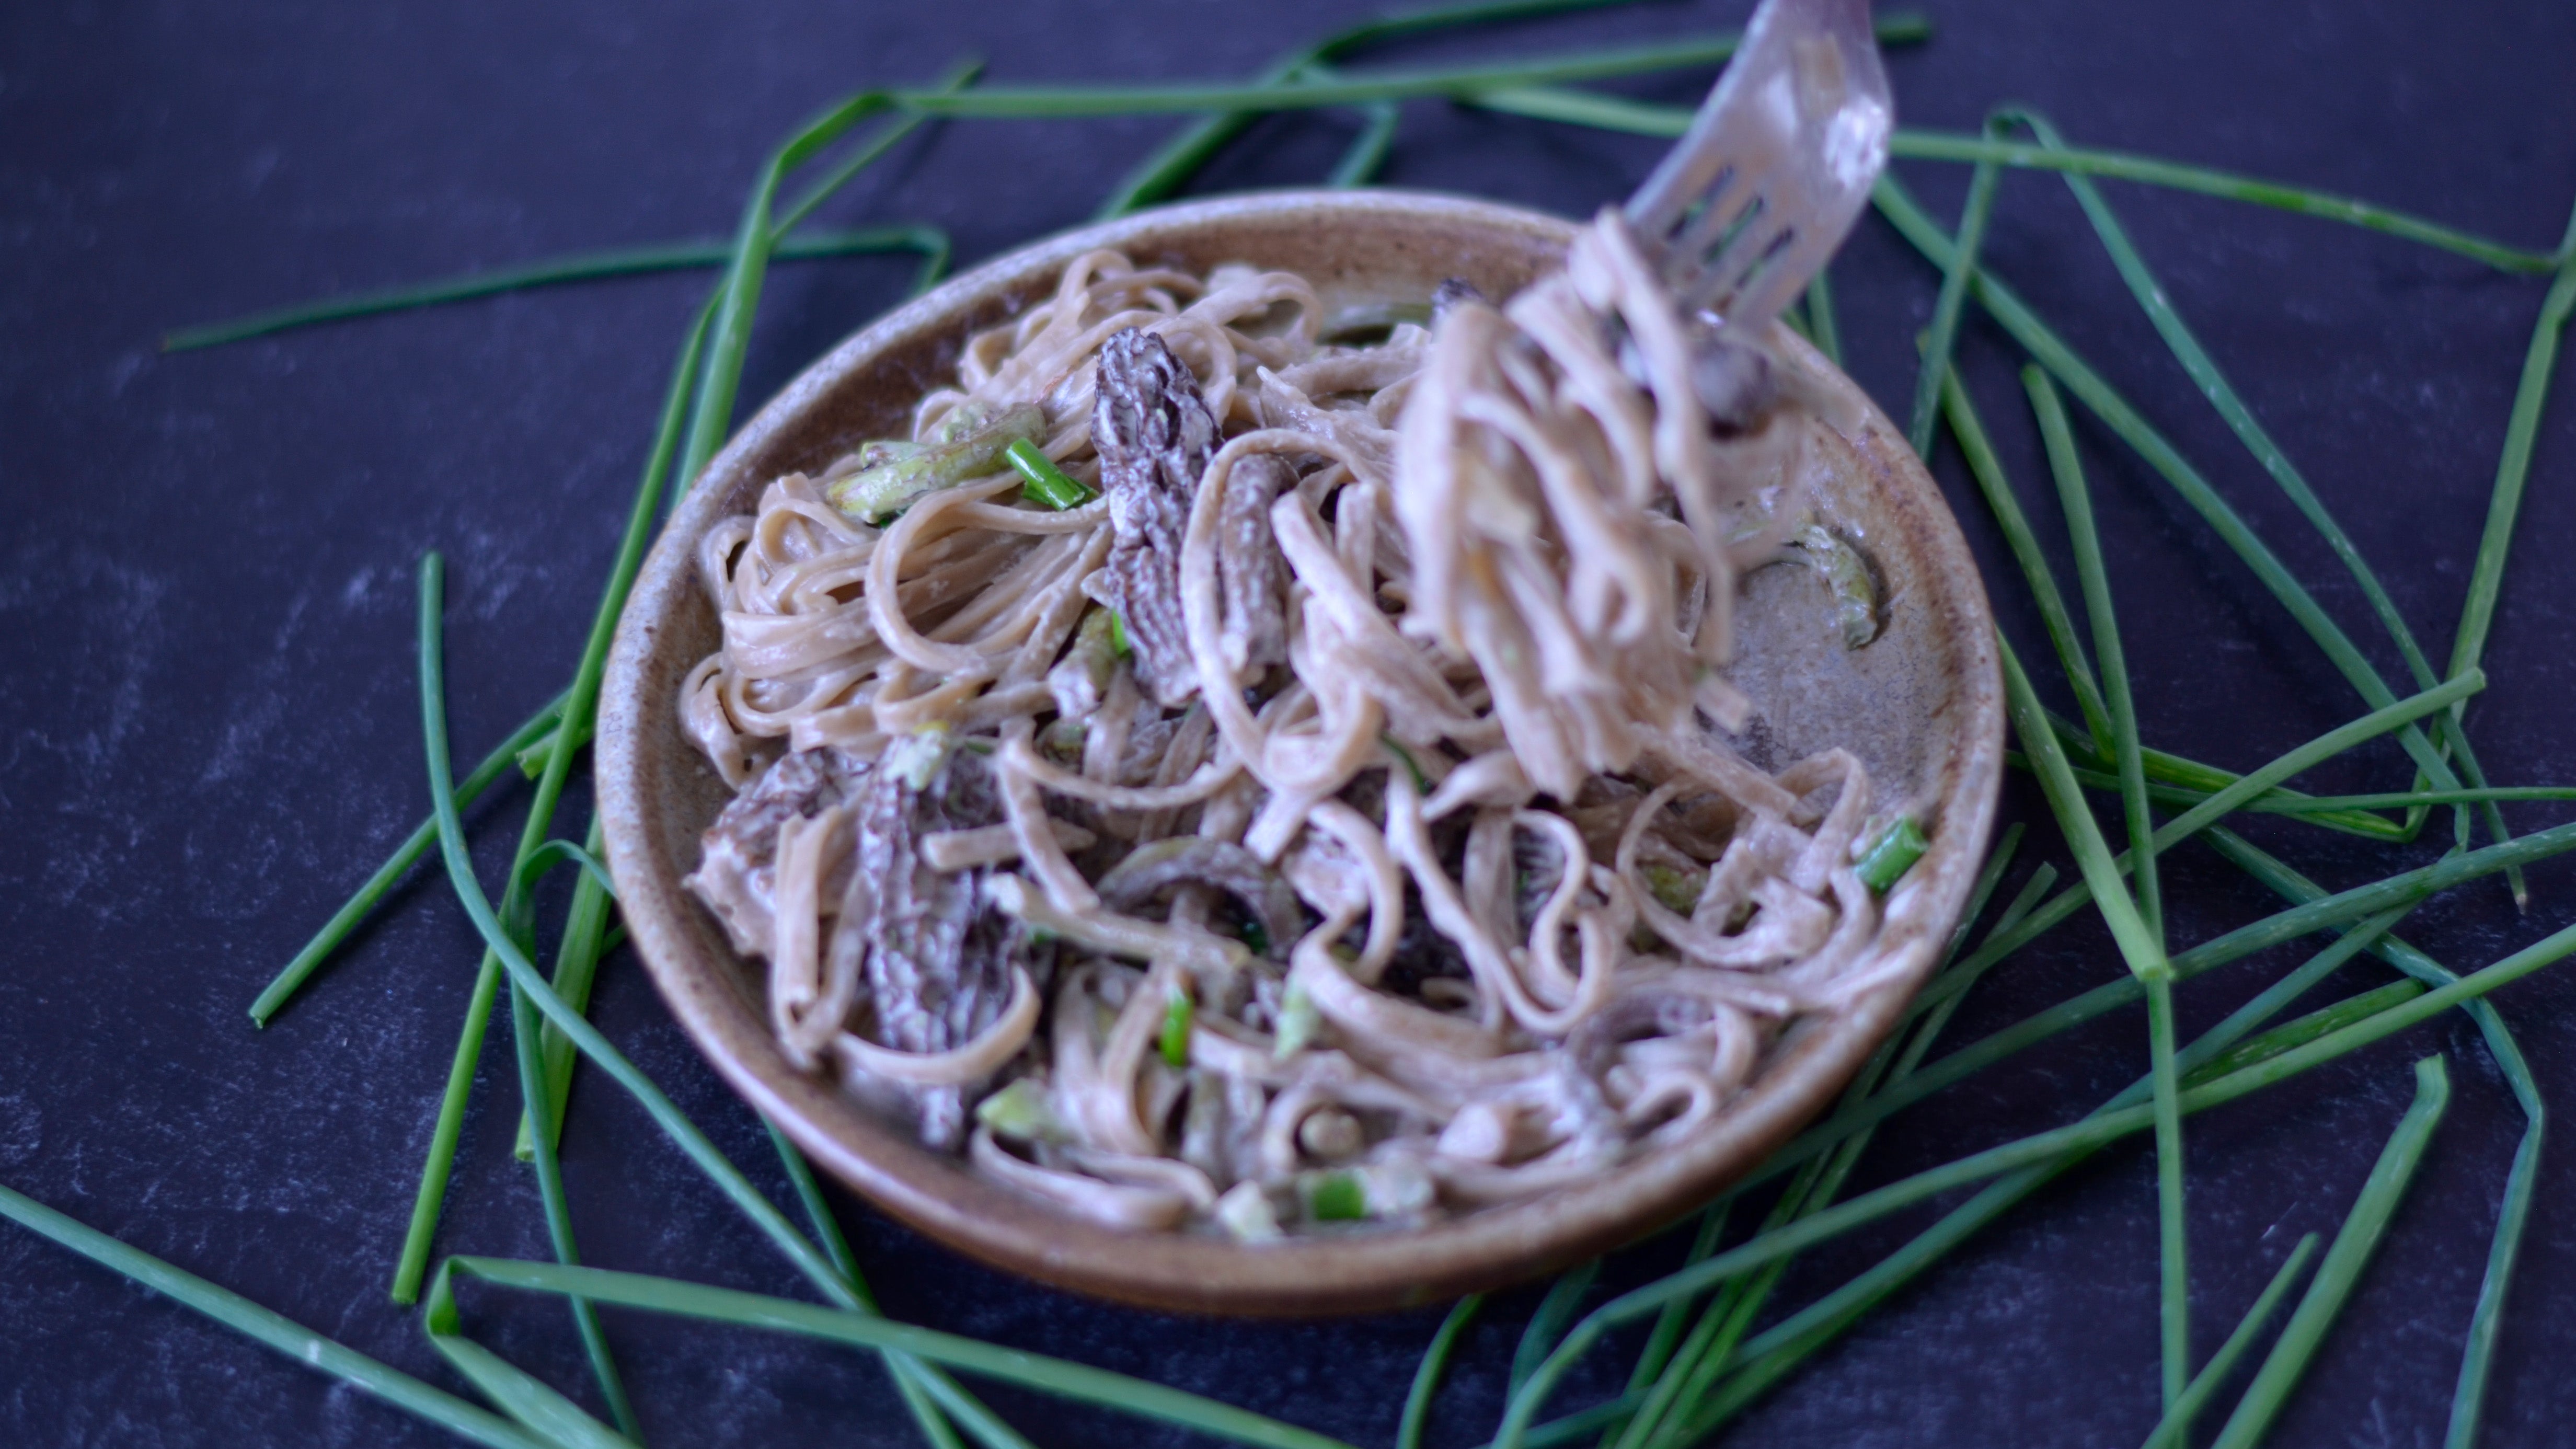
2522 1179
270 1328
2115 411
1978 209
2513 466
1611 113
1172 164
2353 1245
607 262
849 1295
406 855
1435 1363
2170 1430
2084 1135
2213 384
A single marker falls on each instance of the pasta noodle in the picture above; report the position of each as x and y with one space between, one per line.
1332 819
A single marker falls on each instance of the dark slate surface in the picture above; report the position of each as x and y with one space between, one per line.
207 732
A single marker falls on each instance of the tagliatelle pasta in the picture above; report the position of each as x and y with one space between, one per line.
1333 817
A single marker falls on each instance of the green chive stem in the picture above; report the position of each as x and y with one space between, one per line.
2170 1431
1547 1322
2513 466
675 1125
336 930
2353 1245
2084 1135
1614 114
1170 167
2115 411
269 1328
2522 1180
1771 1355
2213 384
1434 1365
1080 1382
1935 368
585 266
2054 617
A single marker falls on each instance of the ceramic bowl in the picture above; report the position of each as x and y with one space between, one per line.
1921 706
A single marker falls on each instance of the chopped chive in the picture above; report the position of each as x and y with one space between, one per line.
1118 644
2176 1423
1892 854
1174 1042
1435 1363
2353 1245
1335 1197
1041 481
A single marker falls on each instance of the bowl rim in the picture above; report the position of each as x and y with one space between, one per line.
1193 1272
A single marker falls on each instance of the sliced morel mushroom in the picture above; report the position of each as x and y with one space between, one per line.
938 960
738 862
1251 573
1154 434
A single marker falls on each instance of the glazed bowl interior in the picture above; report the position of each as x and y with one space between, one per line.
1920 706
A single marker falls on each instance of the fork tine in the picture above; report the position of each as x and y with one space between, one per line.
1775 166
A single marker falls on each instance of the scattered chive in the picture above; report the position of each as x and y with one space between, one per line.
929 242
1118 644
1172 164
2176 1423
270 1328
405 856
1548 1320
2082 1136
1435 1363
1614 114
2213 384
1041 481
2344 1261
2160 454
1973 216
1892 854
847 1294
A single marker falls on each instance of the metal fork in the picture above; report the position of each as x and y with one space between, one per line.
1775 168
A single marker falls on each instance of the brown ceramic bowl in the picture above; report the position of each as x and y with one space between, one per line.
1921 706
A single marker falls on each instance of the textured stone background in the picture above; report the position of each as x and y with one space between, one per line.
207 733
